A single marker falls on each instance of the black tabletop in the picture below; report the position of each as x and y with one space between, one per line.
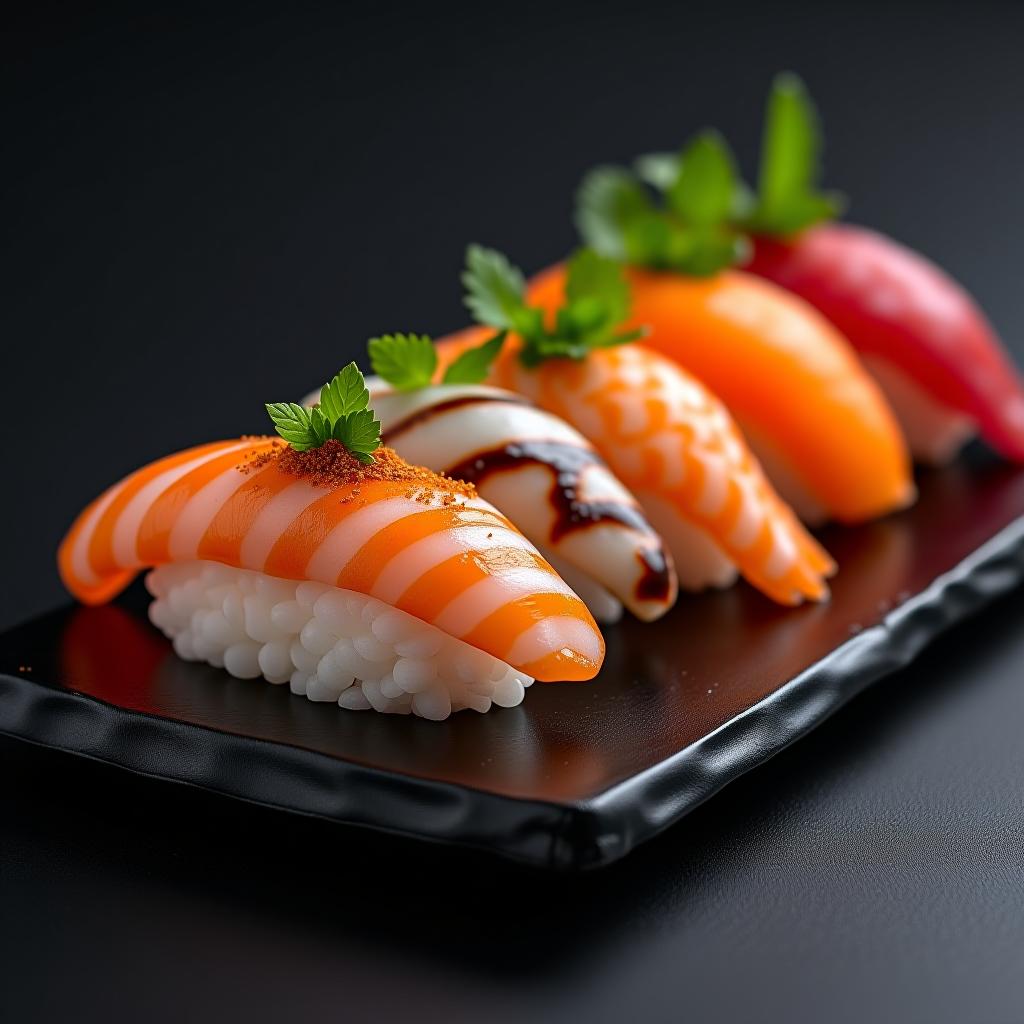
201 215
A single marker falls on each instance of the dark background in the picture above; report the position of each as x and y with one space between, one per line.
205 212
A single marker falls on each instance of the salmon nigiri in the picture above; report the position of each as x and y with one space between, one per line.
820 425
539 471
333 564
669 440
919 333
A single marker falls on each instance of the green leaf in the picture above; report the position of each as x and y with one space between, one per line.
693 232
611 209
343 414
319 427
788 199
359 432
703 192
406 361
473 365
659 170
597 301
345 394
591 277
293 423
494 288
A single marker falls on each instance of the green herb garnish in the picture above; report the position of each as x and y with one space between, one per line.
788 199
596 304
343 415
473 365
691 231
408 361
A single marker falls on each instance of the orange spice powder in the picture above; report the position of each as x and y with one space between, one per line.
332 465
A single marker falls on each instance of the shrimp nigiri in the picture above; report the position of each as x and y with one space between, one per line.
919 333
535 468
366 583
660 430
820 425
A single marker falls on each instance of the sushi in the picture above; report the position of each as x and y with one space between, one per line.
539 471
918 332
818 422
663 434
331 564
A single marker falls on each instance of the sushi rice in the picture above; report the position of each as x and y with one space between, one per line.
328 644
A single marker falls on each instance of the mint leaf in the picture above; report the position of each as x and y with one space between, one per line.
473 365
494 288
359 432
345 394
405 361
787 195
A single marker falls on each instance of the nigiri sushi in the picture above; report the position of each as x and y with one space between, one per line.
332 564
665 436
535 468
918 332
549 480
819 424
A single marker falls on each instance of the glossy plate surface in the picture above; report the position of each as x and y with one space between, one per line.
578 774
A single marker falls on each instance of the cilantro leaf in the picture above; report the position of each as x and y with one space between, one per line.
343 413
788 199
359 432
473 365
405 361
495 289
596 303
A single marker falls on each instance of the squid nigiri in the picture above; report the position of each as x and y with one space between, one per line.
539 471
660 430
820 425
332 564
919 333
549 480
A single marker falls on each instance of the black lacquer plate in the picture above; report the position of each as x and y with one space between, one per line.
580 773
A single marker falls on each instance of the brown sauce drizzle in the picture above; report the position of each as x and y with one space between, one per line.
429 412
567 463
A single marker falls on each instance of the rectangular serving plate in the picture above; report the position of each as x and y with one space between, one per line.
580 773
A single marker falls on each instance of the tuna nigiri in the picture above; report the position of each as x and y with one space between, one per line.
366 583
819 423
665 436
919 333
539 471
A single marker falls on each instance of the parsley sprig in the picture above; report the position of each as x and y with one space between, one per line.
408 361
687 224
343 414
596 303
